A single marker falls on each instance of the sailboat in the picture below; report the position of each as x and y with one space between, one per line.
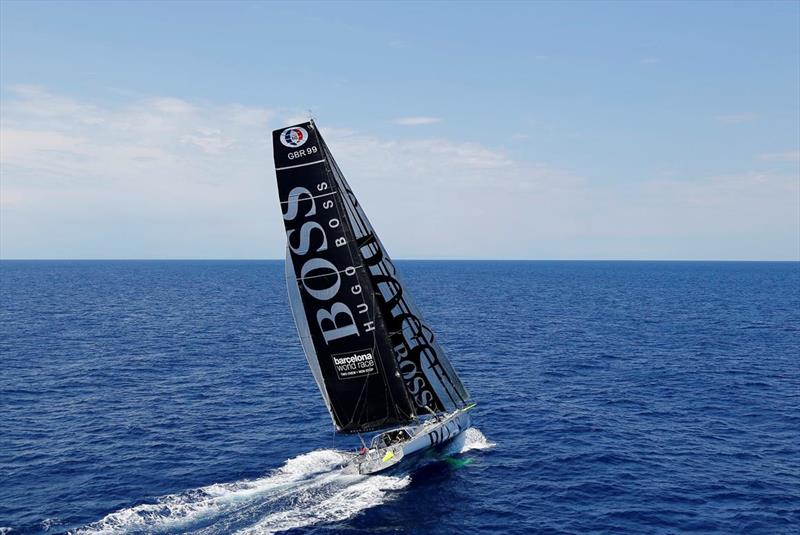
378 366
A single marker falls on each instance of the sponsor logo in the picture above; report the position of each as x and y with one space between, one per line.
358 364
413 345
319 277
294 137
446 432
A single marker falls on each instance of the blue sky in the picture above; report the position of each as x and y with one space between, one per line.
469 130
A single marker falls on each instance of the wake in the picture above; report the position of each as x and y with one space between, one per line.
307 490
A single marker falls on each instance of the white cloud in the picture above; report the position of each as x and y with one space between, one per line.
136 180
296 118
416 121
248 116
738 118
172 105
148 178
21 145
787 156
211 140
40 106
435 198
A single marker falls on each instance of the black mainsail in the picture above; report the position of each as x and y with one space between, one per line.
375 361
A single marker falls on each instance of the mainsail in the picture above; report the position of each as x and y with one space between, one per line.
375 361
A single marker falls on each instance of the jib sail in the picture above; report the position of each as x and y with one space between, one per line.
375 361
428 375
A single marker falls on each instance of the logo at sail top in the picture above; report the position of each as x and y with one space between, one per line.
294 137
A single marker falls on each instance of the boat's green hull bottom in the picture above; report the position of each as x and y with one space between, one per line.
431 434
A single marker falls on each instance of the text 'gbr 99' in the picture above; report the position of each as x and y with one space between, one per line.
378 365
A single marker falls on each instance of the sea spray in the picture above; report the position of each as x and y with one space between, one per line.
362 493
307 490
474 440
193 508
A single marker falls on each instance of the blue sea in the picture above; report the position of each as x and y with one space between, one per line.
613 397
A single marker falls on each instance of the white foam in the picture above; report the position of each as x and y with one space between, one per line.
308 489
49 523
471 439
172 511
345 502
474 440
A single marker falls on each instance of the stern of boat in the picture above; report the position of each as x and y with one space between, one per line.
379 460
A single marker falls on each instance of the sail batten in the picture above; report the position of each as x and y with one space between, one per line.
375 361
298 165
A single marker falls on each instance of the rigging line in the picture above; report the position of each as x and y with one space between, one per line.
351 204
358 211
351 214
298 165
441 371
310 197
343 179
358 218
358 401
439 376
355 216
384 371
347 199
358 223
347 226
408 398
406 306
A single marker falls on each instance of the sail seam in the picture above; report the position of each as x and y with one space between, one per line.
298 165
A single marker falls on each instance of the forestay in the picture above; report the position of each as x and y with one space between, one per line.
375 361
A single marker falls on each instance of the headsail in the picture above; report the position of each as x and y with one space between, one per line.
375 361
429 377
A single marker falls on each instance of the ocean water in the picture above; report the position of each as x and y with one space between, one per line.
613 397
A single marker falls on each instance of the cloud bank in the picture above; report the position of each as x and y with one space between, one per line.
416 121
166 178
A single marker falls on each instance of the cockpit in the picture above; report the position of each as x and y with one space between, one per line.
390 438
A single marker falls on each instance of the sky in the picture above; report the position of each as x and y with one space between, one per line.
538 130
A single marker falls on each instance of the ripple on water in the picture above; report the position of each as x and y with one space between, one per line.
622 397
